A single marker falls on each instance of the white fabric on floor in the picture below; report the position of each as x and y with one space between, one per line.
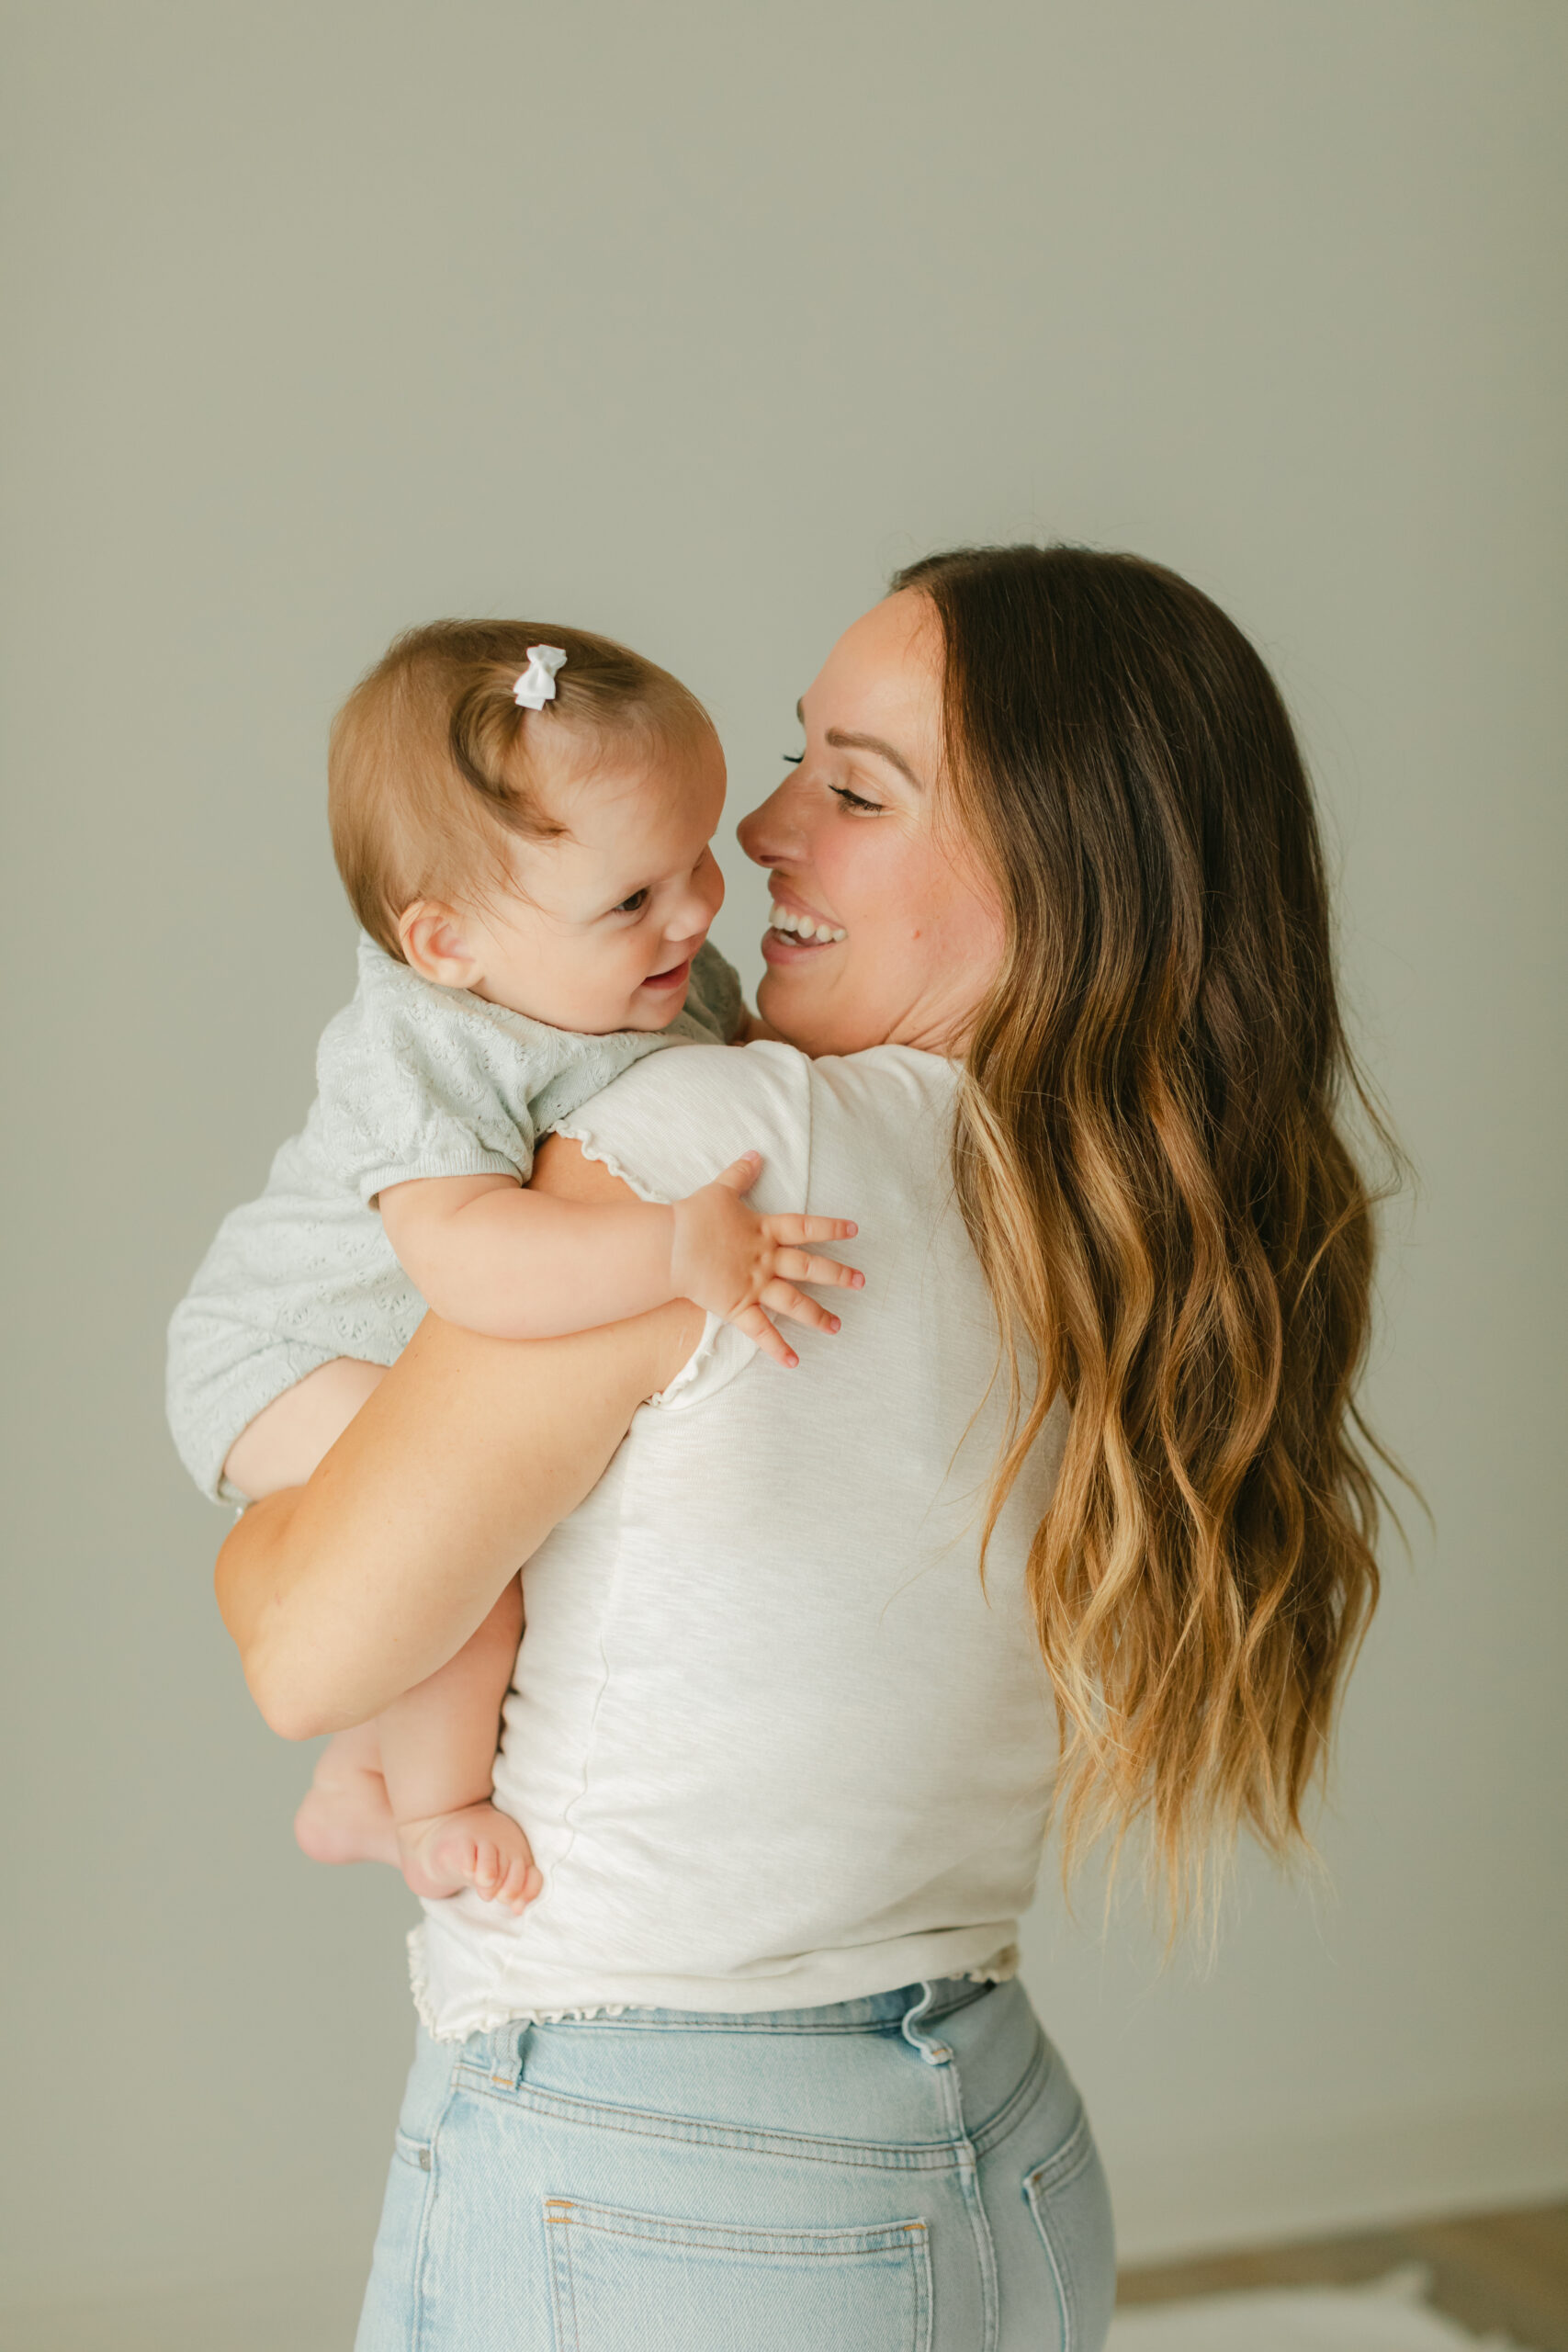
1389 2316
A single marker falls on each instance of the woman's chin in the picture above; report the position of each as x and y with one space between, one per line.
796 1006
785 1006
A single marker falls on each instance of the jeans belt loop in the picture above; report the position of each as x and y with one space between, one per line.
935 2053
506 2059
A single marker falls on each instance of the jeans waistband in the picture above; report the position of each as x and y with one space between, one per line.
907 2006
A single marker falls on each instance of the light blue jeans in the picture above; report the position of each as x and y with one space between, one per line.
912 2172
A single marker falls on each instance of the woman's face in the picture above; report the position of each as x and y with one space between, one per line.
883 929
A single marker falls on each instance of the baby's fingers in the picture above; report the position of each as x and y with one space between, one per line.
797 1266
756 1325
794 1231
785 1299
742 1173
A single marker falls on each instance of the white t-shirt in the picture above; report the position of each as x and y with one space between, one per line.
773 1743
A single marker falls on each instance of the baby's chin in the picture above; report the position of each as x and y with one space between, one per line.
659 1013
640 1012
646 1011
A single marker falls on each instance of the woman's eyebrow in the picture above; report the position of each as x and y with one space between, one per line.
842 741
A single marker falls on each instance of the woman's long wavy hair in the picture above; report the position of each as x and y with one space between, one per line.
1151 1162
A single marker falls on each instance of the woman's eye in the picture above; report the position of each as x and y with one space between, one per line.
794 759
853 800
634 905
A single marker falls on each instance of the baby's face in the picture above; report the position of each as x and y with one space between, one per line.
601 929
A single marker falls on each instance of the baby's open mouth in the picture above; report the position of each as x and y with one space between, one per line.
806 929
672 979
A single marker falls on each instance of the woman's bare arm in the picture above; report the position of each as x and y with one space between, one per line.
343 1593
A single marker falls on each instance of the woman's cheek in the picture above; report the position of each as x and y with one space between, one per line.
866 869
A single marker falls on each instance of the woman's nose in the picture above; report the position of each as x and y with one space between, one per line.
772 834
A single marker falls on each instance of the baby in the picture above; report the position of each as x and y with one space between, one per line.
524 830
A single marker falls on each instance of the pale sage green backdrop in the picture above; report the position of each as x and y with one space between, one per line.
687 323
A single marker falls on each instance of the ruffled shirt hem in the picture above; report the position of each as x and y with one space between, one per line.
999 1968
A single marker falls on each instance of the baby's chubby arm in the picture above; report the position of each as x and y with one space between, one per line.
515 1264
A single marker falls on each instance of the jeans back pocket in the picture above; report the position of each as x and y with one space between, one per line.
647 2283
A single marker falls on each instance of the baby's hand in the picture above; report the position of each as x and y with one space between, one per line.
735 1263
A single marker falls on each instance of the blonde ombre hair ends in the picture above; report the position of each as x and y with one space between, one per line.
432 766
1152 1162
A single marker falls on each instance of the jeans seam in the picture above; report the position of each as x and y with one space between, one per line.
973 2199
1056 2173
901 2244
874 2155
719 2237
559 2255
421 2244
920 2260
865 2156
1065 2303
742 2021
949 2082
1076 2151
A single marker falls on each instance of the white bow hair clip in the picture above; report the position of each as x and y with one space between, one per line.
537 686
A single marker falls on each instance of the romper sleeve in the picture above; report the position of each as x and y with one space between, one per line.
415 1080
676 1121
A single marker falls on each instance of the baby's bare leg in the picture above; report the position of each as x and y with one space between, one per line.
413 1787
288 1437
345 1816
438 1741
437 1747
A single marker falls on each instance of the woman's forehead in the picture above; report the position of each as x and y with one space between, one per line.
884 678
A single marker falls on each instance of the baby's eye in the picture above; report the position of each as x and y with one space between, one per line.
634 905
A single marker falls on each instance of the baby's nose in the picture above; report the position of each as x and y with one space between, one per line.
700 901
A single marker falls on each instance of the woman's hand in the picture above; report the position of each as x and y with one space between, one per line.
734 1264
343 1593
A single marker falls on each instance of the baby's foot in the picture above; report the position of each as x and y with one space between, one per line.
345 1816
476 1847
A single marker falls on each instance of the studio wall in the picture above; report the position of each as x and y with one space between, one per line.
689 324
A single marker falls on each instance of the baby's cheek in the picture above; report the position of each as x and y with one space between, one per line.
586 991
611 986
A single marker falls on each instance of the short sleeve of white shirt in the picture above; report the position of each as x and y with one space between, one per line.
674 1123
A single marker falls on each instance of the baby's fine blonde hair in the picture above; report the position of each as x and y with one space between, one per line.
428 772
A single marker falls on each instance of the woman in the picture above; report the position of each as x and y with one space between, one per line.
780 1729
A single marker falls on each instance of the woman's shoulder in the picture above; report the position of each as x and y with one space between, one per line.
675 1120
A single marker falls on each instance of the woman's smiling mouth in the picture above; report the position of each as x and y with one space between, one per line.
792 930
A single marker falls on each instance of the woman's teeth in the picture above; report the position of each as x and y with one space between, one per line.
803 926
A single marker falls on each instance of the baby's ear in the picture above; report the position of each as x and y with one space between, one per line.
437 945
